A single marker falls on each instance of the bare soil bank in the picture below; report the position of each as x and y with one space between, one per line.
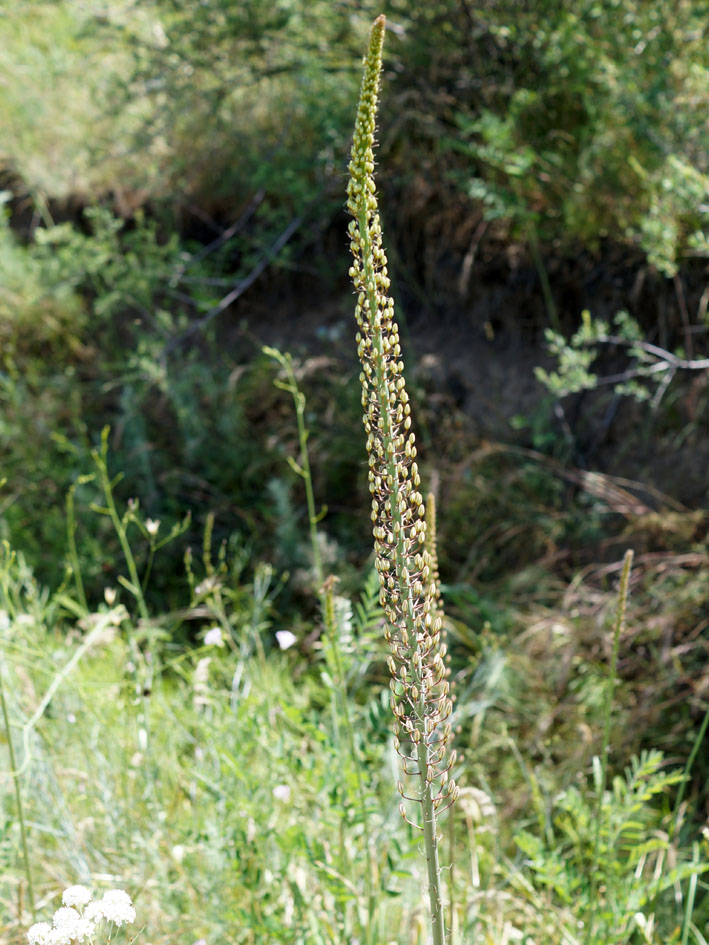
472 340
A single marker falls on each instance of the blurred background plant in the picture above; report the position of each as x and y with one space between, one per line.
172 178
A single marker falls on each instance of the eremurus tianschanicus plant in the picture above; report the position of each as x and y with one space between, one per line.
404 560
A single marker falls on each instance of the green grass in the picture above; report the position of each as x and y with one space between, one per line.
230 793
166 770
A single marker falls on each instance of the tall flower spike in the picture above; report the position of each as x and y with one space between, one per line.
432 549
408 594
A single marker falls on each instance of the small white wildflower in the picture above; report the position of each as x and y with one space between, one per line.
71 719
511 934
65 916
93 912
208 584
178 853
76 895
109 595
83 929
214 637
343 613
116 907
152 526
60 936
285 639
69 926
39 933
476 804
201 681
282 792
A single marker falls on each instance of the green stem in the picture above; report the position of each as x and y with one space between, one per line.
430 840
544 281
303 469
343 698
326 598
102 464
451 877
308 481
73 552
610 690
691 893
18 795
688 767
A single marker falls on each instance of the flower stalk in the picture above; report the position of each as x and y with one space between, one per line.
15 774
618 628
407 573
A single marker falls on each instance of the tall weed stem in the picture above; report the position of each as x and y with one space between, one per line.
73 551
303 467
100 458
618 627
420 700
18 794
325 588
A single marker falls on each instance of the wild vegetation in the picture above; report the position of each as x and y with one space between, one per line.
194 667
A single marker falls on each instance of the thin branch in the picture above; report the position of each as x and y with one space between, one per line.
661 353
230 232
632 373
266 259
682 304
662 387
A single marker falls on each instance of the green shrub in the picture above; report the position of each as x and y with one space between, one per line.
590 127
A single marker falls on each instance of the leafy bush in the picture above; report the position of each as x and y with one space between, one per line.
589 126
623 888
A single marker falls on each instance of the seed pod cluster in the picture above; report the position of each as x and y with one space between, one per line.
407 572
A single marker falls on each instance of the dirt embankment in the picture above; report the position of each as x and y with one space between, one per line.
473 332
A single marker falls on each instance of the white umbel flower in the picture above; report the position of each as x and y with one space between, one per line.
39 933
69 926
76 896
116 906
65 916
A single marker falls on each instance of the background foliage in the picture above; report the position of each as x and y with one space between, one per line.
173 181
